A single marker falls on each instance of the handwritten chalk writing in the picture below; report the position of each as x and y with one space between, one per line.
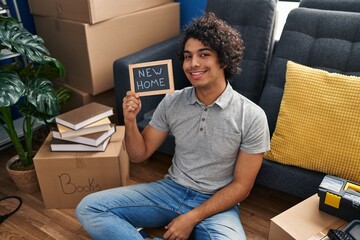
69 187
147 72
141 85
151 78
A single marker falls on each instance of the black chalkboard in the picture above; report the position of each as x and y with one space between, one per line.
151 78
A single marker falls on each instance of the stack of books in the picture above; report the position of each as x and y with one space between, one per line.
87 128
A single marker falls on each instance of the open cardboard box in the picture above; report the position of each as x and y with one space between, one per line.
66 177
90 11
304 221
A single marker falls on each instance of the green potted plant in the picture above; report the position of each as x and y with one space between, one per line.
25 84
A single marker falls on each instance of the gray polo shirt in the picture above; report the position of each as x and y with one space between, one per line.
208 138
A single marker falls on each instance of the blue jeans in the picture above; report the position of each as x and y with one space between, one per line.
115 213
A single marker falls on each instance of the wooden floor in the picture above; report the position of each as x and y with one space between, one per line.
33 221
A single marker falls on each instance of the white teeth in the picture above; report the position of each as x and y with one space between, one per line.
197 73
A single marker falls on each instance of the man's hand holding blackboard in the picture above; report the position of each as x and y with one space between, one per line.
131 106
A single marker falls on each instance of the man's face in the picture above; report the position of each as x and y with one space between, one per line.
201 65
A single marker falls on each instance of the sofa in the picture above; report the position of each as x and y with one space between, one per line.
321 35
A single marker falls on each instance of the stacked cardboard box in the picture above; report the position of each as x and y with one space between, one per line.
90 11
87 36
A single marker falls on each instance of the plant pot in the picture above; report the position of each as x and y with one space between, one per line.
26 181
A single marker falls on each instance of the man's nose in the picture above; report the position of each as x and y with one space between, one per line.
195 61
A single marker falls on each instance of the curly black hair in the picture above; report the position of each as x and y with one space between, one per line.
219 36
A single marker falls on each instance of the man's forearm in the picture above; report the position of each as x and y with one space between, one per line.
134 142
224 199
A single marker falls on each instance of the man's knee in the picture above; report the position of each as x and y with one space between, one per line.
85 206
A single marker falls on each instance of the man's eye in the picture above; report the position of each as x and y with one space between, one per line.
187 57
204 55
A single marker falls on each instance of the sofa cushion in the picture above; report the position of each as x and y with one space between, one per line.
318 126
328 40
336 5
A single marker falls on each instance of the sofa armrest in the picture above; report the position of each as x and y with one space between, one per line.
164 50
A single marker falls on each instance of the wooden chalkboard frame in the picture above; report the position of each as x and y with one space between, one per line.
167 62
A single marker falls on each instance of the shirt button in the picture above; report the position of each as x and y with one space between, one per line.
203 119
201 129
205 109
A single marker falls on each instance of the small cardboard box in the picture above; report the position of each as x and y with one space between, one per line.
89 51
90 11
304 221
66 177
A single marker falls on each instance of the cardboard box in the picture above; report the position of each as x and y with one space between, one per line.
303 221
90 11
88 51
66 177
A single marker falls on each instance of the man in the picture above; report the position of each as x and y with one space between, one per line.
220 140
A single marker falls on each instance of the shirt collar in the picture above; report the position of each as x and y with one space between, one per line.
222 101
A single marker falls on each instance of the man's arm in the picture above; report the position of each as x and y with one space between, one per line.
246 169
140 146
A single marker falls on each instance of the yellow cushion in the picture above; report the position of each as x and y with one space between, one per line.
318 126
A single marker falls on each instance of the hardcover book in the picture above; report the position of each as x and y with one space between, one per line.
58 145
99 126
85 115
92 139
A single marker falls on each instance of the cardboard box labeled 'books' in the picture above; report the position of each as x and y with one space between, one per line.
304 221
66 177
90 11
89 51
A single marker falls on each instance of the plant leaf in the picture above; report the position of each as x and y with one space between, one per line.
42 95
51 70
11 89
11 67
18 39
63 95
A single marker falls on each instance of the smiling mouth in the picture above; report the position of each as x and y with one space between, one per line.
197 73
